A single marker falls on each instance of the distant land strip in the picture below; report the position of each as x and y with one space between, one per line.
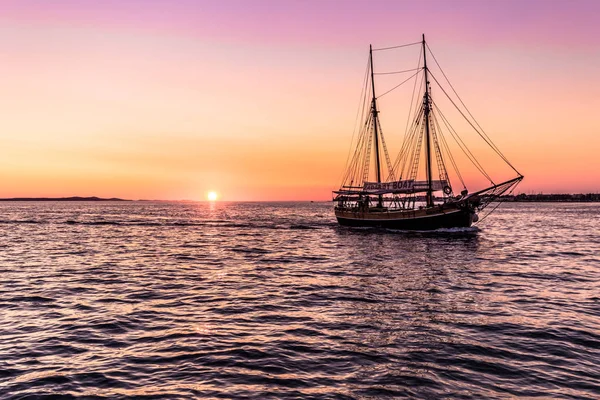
74 198
589 197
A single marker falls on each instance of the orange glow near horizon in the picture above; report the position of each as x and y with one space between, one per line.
260 102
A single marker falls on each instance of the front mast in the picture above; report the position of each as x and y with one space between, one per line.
375 124
429 196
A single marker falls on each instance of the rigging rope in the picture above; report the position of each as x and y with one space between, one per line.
354 171
367 164
408 143
514 186
387 155
416 157
412 97
395 72
360 107
410 116
447 150
483 135
441 165
469 112
462 144
400 84
473 126
397 47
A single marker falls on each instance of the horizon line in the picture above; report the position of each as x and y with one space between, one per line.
118 199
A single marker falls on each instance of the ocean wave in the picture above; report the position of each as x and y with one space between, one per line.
259 301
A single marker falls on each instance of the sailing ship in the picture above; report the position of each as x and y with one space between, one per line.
409 198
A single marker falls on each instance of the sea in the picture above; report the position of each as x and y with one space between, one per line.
226 300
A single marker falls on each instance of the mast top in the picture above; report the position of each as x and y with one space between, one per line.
375 120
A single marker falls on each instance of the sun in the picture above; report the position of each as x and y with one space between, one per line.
212 196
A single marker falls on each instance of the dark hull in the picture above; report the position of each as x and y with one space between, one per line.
456 219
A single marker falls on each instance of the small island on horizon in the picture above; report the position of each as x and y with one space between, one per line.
72 198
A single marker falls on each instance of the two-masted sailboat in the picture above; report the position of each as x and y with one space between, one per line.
409 198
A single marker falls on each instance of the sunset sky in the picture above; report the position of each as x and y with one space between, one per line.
257 100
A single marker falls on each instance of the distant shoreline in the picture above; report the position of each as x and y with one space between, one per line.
554 198
74 198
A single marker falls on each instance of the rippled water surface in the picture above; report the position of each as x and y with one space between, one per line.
274 300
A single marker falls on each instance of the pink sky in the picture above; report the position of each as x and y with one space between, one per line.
257 99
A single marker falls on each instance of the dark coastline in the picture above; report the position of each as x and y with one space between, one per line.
74 198
579 198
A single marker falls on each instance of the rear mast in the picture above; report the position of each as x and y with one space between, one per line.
426 103
375 125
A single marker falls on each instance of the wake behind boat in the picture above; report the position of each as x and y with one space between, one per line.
405 198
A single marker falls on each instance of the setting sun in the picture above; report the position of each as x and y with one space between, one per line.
212 196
